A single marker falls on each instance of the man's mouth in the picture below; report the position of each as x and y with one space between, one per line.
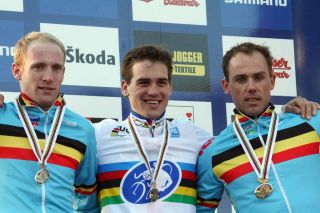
46 88
252 99
152 102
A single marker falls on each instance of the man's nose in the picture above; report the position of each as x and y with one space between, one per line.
251 85
153 89
47 75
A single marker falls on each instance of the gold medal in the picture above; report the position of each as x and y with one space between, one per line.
154 192
261 168
41 176
264 189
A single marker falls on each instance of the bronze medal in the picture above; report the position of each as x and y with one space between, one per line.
154 192
263 190
41 176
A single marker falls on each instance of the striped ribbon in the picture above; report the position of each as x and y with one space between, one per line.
262 170
163 149
32 136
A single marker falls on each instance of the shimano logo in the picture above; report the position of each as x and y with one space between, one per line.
277 3
6 51
75 55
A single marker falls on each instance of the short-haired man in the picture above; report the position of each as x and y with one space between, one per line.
147 164
266 162
47 152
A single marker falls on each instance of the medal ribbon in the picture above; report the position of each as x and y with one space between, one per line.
135 137
32 136
262 170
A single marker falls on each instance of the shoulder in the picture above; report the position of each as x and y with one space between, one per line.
188 126
180 122
185 124
8 112
190 131
291 120
223 141
105 124
106 127
71 115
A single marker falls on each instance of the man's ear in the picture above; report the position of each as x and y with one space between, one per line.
273 80
124 88
16 71
225 86
170 83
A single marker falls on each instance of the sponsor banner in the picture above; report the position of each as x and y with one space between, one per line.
82 8
95 108
257 14
12 5
170 11
190 58
10 33
199 113
283 63
231 106
92 54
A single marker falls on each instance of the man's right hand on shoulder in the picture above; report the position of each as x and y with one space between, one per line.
1 100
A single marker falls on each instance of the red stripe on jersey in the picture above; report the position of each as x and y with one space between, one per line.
188 175
27 154
296 152
111 175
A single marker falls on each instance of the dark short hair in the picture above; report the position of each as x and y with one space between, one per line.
141 53
247 48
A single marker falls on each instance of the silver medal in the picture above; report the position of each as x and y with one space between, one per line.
41 176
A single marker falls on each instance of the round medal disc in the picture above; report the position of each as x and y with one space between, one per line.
41 176
154 194
263 190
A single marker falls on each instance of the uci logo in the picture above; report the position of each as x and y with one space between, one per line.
136 184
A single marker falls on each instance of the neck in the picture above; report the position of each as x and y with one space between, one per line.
146 118
27 101
256 116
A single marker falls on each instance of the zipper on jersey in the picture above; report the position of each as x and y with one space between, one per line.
43 186
152 127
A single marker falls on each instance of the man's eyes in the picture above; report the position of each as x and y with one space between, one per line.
241 79
38 67
163 83
143 83
259 77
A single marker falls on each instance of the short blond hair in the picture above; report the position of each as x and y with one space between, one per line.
24 42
